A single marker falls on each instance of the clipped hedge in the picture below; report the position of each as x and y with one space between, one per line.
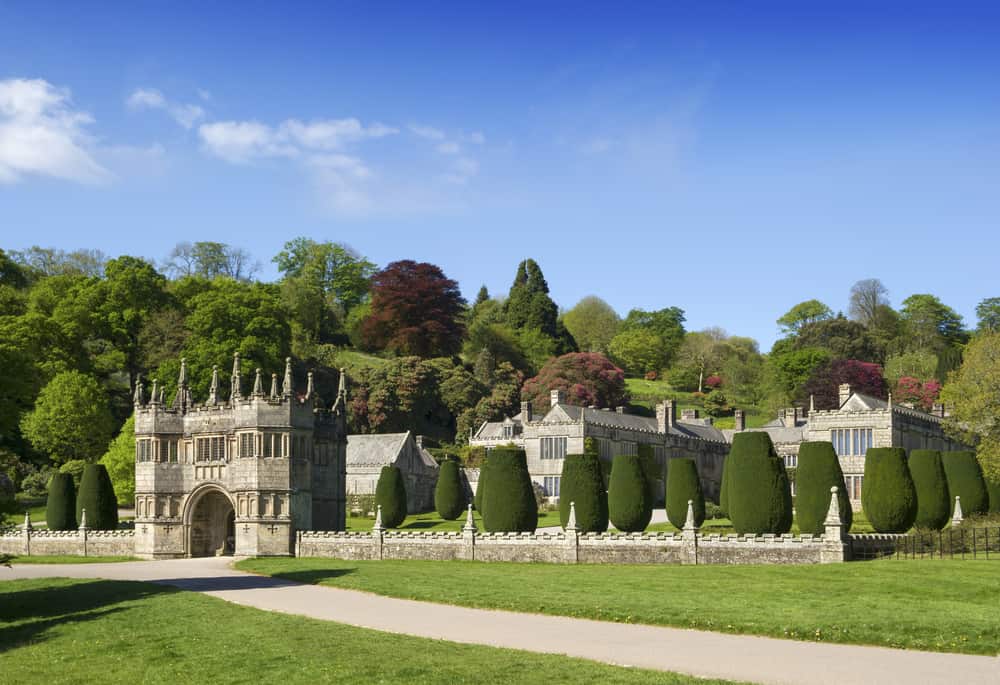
888 496
630 506
477 498
683 484
581 482
931 486
759 496
965 479
724 489
817 472
653 474
390 494
994 489
509 502
449 496
60 508
97 496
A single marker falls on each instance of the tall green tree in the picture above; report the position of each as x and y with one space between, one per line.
71 419
803 313
530 308
209 259
988 313
638 350
867 296
119 460
930 324
592 323
390 494
972 396
667 323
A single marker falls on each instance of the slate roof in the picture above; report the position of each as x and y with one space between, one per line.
374 450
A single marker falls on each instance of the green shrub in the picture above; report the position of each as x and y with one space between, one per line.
390 494
449 496
724 489
965 479
683 484
75 468
759 497
583 484
994 489
931 486
712 511
817 472
509 501
629 504
888 496
97 496
653 474
60 508
477 499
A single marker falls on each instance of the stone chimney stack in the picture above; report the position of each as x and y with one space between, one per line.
557 397
689 414
526 412
739 421
620 410
789 419
938 410
666 416
419 440
845 393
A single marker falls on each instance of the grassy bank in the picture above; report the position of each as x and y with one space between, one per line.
948 606
64 631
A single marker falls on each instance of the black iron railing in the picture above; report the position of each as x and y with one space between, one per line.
951 543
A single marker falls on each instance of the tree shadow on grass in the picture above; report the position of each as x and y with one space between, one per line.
33 611
223 583
316 576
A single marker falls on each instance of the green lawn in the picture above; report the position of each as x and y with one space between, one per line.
66 559
648 393
433 522
949 606
100 631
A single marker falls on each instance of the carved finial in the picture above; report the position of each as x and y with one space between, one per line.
213 390
833 512
27 521
286 386
310 388
258 384
274 386
956 519
571 520
183 397
812 403
138 398
378 519
889 401
689 521
342 384
470 521
235 384
83 519
155 399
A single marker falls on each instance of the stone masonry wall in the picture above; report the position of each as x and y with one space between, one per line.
77 543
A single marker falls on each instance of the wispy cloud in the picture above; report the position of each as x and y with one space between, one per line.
42 134
185 114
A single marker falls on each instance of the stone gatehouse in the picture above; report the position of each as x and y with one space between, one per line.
237 476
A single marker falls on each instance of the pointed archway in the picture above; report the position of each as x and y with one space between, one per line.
211 523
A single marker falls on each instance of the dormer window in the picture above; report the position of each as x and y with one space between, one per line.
508 431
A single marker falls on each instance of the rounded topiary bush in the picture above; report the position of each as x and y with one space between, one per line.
965 479
60 508
509 501
683 484
630 506
817 472
931 486
97 496
888 496
449 496
759 496
390 494
583 484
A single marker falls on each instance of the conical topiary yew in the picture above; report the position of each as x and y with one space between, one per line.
994 490
965 479
390 494
683 484
583 484
630 506
931 486
60 508
724 489
888 496
477 498
509 500
759 496
97 496
817 472
449 496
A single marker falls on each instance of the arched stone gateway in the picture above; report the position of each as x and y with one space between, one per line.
211 525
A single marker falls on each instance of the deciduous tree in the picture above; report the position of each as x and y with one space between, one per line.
586 378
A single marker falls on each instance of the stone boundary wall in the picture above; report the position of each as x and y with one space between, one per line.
76 543
571 547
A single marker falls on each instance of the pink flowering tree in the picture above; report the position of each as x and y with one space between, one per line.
587 378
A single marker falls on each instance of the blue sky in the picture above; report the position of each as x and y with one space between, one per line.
731 159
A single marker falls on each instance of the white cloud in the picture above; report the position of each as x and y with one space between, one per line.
449 147
41 134
242 141
331 133
428 132
186 115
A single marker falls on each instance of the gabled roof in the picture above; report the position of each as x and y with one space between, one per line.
861 402
375 450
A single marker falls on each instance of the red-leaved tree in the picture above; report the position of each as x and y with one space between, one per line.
587 378
415 310
825 382
910 389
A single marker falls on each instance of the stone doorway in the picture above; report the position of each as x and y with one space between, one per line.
213 526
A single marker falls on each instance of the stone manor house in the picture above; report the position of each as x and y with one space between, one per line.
238 475
547 438
858 423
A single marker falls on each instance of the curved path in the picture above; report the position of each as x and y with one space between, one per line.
699 653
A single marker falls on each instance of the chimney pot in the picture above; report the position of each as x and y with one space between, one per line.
557 397
739 420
